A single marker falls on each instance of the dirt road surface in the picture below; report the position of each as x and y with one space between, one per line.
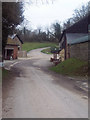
38 93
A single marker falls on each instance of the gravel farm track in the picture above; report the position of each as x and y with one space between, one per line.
37 92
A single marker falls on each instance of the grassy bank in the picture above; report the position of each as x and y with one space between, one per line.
46 51
51 49
34 45
72 67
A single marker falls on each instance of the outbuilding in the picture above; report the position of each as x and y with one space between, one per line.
74 41
14 44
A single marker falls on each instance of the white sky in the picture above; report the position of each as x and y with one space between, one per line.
47 13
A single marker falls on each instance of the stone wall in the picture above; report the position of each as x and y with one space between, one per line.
22 54
62 54
79 51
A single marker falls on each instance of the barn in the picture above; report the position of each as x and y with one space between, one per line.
74 41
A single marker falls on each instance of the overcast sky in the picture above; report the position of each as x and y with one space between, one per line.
45 12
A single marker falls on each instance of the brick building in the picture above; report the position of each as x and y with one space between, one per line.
14 44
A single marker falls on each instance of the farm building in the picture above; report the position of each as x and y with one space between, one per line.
74 41
14 44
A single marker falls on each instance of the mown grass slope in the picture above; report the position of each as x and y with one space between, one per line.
51 49
34 45
46 51
72 67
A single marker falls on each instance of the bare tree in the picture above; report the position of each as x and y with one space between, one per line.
78 14
57 30
81 12
67 23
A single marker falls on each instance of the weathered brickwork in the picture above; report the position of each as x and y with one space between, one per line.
15 52
79 51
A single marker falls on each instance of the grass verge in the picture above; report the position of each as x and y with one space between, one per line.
34 45
51 49
46 51
72 67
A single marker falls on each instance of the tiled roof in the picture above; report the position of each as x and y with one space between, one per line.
81 39
11 41
77 38
14 40
80 27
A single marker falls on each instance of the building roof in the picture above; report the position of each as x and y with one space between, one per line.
80 27
73 38
78 32
19 39
11 40
12 36
81 40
